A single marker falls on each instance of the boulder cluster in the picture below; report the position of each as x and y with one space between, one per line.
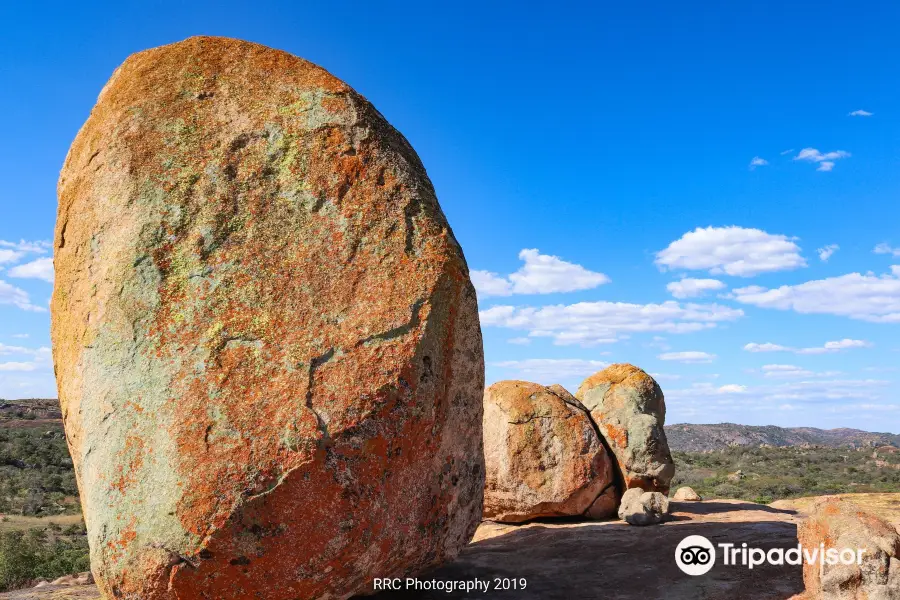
600 452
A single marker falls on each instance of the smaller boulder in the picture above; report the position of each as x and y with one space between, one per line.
736 476
842 525
686 494
543 456
629 409
643 508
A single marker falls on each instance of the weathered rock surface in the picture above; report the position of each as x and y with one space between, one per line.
602 559
268 349
629 408
842 525
686 494
543 456
643 508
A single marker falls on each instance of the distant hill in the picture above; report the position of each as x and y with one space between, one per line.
698 438
34 412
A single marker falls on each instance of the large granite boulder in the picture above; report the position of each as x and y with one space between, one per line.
543 456
629 409
267 343
843 526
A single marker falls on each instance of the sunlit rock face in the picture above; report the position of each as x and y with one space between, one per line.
543 455
267 345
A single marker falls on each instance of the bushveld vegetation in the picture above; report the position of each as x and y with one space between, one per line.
769 474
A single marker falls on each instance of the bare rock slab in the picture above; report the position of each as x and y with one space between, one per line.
268 350
543 456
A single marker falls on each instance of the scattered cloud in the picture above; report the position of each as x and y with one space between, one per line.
541 274
827 348
826 395
552 370
788 151
9 294
590 323
690 357
42 268
824 160
757 162
20 336
519 341
732 388
861 113
18 366
886 249
864 297
693 288
737 251
665 376
9 256
826 252
793 371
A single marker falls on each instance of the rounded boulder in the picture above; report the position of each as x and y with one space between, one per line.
629 409
267 344
543 456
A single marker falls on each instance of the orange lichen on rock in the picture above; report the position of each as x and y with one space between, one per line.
630 411
838 525
267 342
543 456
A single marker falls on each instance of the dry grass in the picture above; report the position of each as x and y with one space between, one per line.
20 523
885 505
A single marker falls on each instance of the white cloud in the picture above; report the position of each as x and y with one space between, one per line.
519 341
490 284
886 249
788 151
18 366
826 252
42 268
27 379
693 288
793 371
14 296
865 297
737 251
815 391
541 274
825 160
589 323
690 357
665 376
861 113
36 247
827 348
8 256
20 336
732 388
551 370
757 162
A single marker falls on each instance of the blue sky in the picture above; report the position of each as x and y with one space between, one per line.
617 139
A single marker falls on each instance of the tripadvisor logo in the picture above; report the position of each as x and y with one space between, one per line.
696 555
